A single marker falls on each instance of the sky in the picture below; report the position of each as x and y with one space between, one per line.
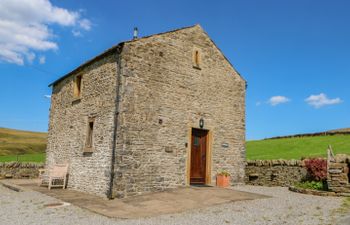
295 55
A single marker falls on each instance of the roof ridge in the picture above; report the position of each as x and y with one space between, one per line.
161 33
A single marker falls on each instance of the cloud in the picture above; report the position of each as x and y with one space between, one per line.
318 101
25 28
42 59
276 100
76 33
85 24
47 96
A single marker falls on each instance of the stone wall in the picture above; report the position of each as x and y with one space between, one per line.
88 171
338 177
18 170
164 95
274 172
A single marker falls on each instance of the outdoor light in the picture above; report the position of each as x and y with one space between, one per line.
201 123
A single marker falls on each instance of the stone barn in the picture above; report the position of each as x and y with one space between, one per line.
148 114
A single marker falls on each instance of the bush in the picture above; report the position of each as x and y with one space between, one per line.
316 169
315 185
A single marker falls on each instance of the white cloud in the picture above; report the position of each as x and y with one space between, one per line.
30 57
318 101
42 59
47 96
85 24
276 100
25 28
76 33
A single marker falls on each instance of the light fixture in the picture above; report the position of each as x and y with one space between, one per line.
201 123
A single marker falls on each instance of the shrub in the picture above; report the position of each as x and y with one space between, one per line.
316 169
315 185
224 173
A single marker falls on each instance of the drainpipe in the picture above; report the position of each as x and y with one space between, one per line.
116 113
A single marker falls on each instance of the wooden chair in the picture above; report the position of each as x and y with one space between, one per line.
54 177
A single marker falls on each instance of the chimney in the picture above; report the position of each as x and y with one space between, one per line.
136 33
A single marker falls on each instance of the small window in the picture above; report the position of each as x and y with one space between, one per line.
90 135
196 58
77 86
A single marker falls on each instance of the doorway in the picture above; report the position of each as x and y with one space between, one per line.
199 147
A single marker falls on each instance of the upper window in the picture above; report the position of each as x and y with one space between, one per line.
77 86
197 58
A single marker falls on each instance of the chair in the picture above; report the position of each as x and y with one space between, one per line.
54 177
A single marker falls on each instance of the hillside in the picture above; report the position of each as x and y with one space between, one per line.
324 133
297 147
18 142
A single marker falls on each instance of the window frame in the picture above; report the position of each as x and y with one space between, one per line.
196 58
77 86
89 140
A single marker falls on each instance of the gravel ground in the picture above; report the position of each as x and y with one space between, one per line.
283 208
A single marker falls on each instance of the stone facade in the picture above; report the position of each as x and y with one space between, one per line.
89 172
19 170
145 96
274 172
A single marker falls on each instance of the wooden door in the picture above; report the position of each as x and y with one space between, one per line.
198 156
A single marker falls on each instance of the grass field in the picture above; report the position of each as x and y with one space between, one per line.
36 157
295 148
30 146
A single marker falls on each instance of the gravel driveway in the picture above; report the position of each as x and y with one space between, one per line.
283 208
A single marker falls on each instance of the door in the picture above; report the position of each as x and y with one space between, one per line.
198 156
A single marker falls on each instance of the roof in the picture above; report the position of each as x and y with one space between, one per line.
119 47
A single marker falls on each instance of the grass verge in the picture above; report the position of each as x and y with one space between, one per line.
296 148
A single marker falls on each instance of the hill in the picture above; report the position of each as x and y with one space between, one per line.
296 147
18 142
325 133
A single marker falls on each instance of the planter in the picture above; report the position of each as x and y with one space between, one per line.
222 181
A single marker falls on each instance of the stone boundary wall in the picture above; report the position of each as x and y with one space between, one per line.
338 176
274 172
19 170
327 133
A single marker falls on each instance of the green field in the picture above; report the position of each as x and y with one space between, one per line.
28 146
36 157
296 148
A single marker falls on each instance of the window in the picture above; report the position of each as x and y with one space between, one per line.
196 58
90 134
196 141
77 86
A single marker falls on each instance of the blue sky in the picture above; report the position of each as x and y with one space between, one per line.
295 55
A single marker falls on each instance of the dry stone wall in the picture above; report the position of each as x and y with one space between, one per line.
274 172
338 178
19 170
